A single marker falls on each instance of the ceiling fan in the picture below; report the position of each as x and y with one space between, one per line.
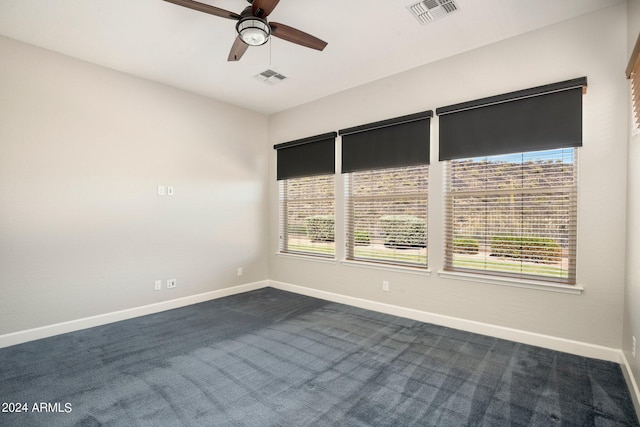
253 28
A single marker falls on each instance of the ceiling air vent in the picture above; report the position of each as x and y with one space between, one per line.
270 77
429 10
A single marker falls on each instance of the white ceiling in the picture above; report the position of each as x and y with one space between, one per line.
367 40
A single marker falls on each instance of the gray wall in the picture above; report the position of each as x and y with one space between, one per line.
632 296
82 229
593 45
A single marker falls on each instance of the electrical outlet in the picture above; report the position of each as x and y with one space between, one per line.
240 271
157 285
385 286
171 283
160 190
633 347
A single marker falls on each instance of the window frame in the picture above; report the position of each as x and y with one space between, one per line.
539 118
391 144
284 203
304 159
449 228
349 218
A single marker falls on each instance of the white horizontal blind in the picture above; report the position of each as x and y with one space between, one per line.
386 217
633 74
307 223
513 215
635 98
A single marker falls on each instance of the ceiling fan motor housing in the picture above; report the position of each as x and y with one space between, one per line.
253 30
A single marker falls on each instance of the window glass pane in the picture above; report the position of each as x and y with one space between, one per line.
307 223
387 215
513 215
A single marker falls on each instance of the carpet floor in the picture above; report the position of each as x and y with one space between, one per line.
273 358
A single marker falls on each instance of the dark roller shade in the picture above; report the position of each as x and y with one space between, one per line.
541 118
307 157
402 141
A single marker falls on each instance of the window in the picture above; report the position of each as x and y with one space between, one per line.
306 176
386 167
307 215
511 182
387 215
513 215
633 74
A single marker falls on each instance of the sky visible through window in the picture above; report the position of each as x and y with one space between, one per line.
561 154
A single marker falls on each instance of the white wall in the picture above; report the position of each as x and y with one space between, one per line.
632 296
594 46
82 150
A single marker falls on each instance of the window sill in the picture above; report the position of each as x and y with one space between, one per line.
326 260
517 283
387 267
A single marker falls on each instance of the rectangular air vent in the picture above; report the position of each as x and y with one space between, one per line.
429 10
270 77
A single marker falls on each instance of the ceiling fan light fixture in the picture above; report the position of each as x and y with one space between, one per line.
253 31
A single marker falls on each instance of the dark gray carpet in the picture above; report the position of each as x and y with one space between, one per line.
272 358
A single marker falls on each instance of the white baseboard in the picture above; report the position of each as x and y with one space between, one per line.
103 319
631 382
546 341
517 335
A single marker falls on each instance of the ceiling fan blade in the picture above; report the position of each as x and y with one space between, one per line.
293 35
262 8
201 7
237 50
